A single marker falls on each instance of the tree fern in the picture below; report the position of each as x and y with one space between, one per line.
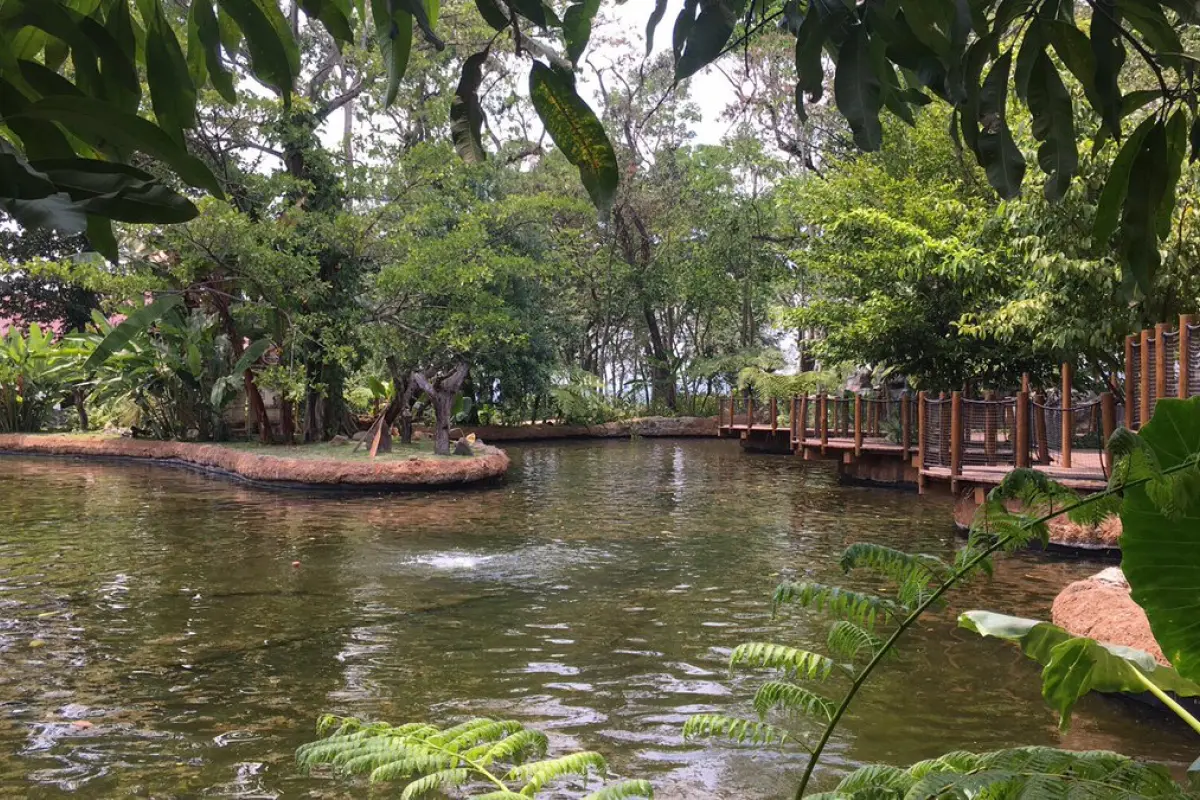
623 791
796 662
859 607
850 642
539 773
1018 773
734 729
436 760
785 696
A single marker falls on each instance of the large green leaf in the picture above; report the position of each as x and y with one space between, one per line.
274 55
660 8
493 14
203 21
1139 215
1112 197
1074 666
822 17
95 120
930 21
996 149
1160 543
577 27
1053 126
172 92
857 90
1108 50
32 198
424 17
1177 142
137 322
117 191
334 16
576 131
466 114
707 35
393 31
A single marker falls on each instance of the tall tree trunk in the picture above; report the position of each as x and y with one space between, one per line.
237 345
401 408
441 391
78 397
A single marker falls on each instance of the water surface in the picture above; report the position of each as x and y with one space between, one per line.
157 640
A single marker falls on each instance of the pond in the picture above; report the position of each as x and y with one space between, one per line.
156 638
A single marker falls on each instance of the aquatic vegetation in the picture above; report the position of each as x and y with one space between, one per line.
503 757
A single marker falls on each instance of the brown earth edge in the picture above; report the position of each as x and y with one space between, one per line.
488 463
1101 608
1065 536
690 427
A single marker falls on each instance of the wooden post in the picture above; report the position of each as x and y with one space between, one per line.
989 426
905 424
749 411
1184 358
793 407
956 430
921 414
804 417
1021 445
1108 424
1130 397
1144 380
1068 417
858 424
823 411
1025 382
774 414
944 419
1160 363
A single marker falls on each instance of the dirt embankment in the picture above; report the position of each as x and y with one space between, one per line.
691 427
487 463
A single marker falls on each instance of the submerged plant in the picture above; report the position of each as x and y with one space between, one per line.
491 759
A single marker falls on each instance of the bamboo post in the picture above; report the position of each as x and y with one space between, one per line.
823 412
1144 411
990 425
858 424
804 417
1130 397
905 424
956 431
1021 446
774 414
1160 363
1108 423
1184 358
1068 417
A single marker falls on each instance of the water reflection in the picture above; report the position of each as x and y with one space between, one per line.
156 639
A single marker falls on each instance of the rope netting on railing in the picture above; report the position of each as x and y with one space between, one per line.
762 411
1135 379
1193 360
738 406
937 434
1170 344
1152 371
989 432
1086 435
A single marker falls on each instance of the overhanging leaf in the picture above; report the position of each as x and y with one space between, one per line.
1053 126
857 90
1112 197
1139 215
707 35
202 17
274 56
117 191
466 114
1108 50
660 8
120 336
996 149
1160 551
577 27
576 131
172 92
393 31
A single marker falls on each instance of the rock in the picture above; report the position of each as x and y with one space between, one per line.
339 440
359 436
462 448
1100 608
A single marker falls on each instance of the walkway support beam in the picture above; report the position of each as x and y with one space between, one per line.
858 424
1068 416
823 411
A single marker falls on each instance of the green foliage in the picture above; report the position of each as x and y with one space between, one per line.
1041 772
36 373
1160 519
719 726
501 758
1073 666
859 607
580 400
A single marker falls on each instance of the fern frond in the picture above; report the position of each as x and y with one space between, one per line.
796 662
443 738
912 573
993 520
623 791
537 774
417 764
483 732
849 641
1018 773
1096 512
859 607
436 780
501 794
734 729
523 744
790 697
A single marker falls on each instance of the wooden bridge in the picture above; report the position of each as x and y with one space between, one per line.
960 440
